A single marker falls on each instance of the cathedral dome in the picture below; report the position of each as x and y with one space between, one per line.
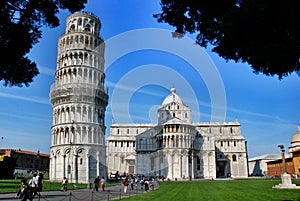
296 136
173 97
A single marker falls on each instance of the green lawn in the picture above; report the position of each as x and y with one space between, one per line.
12 186
239 190
236 190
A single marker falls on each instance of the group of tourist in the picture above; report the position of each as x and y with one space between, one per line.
99 182
29 190
143 183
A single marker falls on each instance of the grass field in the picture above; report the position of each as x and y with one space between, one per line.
12 186
235 190
238 190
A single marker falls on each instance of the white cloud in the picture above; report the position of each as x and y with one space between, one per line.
46 71
32 117
26 98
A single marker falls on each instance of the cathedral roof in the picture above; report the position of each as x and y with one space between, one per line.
173 97
176 120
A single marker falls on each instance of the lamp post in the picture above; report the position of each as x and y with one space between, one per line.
37 160
282 150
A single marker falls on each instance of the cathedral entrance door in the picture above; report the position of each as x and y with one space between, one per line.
131 169
221 169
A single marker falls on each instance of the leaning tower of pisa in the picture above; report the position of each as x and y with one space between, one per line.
79 99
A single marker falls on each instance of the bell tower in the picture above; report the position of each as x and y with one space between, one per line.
79 99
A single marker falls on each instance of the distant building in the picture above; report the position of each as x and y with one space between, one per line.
292 162
276 169
22 162
258 165
177 148
294 151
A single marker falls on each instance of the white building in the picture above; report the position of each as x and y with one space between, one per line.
176 147
258 165
79 101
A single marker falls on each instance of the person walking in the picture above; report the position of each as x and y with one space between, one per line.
126 184
33 182
24 192
96 183
64 185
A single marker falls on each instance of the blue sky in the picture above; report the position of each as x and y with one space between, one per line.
140 79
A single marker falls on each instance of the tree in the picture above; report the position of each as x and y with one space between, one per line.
20 29
265 34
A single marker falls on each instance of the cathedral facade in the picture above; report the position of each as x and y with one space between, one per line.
79 99
176 147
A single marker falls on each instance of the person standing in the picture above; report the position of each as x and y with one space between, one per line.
132 183
40 183
146 184
64 184
102 184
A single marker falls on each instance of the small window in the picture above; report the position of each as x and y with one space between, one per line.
234 143
234 158
121 144
127 131
173 114
118 131
221 143
116 144
198 163
127 144
228 143
80 161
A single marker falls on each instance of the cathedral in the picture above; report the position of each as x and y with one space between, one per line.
176 147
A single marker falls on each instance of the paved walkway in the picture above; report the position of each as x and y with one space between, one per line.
110 193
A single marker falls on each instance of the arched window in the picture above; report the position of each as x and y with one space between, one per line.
233 157
69 169
87 28
72 27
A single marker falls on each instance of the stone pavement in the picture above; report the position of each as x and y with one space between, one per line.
110 193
